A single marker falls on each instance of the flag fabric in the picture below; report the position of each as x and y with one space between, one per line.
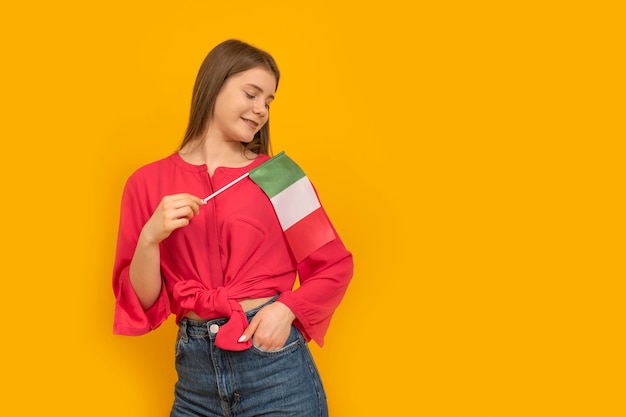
301 216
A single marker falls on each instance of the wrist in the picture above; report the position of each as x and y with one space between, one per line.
146 240
287 310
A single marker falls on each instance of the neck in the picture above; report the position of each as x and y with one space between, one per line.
214 154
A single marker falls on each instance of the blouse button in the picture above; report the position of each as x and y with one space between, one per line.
214 328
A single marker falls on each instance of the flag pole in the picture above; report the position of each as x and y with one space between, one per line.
230 184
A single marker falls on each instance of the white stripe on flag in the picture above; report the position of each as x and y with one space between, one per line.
295 202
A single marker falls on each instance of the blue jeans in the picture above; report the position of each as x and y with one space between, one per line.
215 382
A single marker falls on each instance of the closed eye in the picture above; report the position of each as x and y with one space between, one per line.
252 97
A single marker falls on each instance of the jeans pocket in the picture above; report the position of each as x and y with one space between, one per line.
293 342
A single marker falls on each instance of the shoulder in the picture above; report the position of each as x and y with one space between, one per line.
166 167
151 172
260 158
157 166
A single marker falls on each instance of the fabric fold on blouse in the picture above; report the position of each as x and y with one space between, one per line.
213 304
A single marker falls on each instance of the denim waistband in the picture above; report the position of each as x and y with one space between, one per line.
198 327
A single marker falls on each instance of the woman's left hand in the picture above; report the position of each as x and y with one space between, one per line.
270 327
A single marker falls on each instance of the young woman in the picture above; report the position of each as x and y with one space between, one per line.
224 266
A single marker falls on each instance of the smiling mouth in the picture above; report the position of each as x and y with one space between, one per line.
251 123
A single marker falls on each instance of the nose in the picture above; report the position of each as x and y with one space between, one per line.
260 109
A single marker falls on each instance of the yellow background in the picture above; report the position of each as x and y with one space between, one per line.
469 153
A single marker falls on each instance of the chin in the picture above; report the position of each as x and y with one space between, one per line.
247 140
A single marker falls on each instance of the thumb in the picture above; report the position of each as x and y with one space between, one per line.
247 334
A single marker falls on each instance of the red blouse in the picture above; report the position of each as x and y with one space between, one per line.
234 249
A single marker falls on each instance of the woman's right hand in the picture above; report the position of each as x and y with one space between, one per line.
173 212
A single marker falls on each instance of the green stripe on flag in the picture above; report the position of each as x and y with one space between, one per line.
276 174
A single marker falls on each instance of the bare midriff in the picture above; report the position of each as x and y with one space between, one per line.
247 305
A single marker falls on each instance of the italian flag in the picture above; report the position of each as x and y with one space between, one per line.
302 217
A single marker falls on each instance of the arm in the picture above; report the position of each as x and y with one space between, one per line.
173 212
324 278
137 311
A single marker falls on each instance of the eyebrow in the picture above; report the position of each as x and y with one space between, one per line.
256 87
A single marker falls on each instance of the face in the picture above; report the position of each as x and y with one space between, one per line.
242 105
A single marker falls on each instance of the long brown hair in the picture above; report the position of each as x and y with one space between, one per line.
228 58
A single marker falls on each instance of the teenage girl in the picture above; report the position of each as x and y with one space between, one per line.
224 267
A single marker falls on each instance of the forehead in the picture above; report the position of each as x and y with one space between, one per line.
258 76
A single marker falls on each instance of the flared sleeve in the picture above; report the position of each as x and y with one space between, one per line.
130 318
324 276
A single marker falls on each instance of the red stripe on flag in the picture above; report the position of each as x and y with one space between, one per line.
309 234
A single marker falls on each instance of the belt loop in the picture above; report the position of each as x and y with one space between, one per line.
183 330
